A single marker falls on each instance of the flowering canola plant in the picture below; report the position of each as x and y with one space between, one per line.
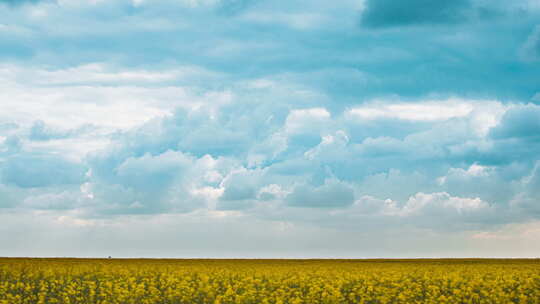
168 281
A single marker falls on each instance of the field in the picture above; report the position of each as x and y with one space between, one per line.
125 281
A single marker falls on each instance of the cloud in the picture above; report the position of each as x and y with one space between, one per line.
411 111
532 181
441 203
12 144
485 182
161 182
5 127
238 192
53 200
396 185
43 132
240 189
527 197
438 211
388 13
34 171
191 120
530 50
301 120
233 7
332 194
153 173
519 122
303 157
20 2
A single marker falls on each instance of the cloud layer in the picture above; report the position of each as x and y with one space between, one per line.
268 123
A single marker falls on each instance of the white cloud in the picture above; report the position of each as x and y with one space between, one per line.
370 205
300 120
102 74
441 202
272 192
313 113
99 95
332 146
423 111
474 170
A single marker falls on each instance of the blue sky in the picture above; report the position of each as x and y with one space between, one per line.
256 128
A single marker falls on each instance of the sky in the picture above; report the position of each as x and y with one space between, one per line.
270 129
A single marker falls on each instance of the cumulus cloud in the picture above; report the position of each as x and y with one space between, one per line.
485 182
169 181
519 122
240 188
306 157
329 195
152 172
441 203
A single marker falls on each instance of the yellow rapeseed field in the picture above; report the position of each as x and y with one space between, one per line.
164 281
